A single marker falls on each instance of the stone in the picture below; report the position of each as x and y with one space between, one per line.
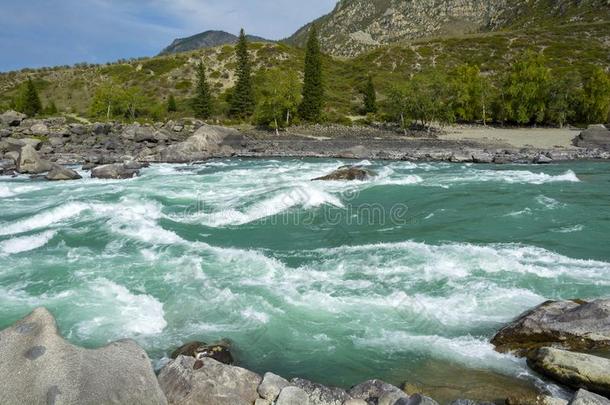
145 134
13 155
39 129
537 399
482 157
355 402
416 399
271 386
470 402
542 159
220 351
133 165
113 171
595 136
207 141
572 325
320 394
576 370
37 366
461 157
16 144
60 173
187 381
261 401
78 129
372 390
12 118
7 164
349 173
100 128
584 397
30 162
292 396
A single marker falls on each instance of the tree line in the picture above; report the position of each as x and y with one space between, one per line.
529 93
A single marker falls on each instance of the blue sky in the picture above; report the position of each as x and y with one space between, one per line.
36 33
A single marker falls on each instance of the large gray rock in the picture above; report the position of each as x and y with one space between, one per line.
320 394
187 381
113 171
576 370
208 141
219 351
596 136
583 397
30 162
271 386
39 129
348 173
372 390
573 325
14 144
7 164
293 396
37 366
12 118
61 173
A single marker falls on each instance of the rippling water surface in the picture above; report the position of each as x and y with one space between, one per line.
334 281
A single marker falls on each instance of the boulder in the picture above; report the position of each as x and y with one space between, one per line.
482 157
6 165
576 370
37 366
348 173
14 144
208 141
417 399
30 162
372 390
77 129
220 351
271 386
542 159
39 129
186 380
60 173
461 157
293 396
321 395
12 118
596 136
145 134
133 165
573 325
113 171
584 397
13 155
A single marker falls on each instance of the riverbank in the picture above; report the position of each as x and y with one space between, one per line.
60 142
39 367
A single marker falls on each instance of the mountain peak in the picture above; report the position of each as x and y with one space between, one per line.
207 39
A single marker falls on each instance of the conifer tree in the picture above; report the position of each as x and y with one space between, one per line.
51 109
30 102
202 102
370 97
313 90
171 104
242 99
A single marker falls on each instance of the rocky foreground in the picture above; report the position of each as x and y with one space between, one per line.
37 366
32 146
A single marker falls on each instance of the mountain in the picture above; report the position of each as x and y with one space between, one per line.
355 26
208 39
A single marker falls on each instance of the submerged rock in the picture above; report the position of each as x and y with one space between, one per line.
220 351
186 380
60 173
348 173
576 370
573 325
37 366
113 171
583 397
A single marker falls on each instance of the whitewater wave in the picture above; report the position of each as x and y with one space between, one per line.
122 312
25 243
5 192
43 219
512 177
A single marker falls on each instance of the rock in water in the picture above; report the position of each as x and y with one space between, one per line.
37 366
30 162
349 173
576 370
220 351
187 381
60 173
113 171
573 325
583 397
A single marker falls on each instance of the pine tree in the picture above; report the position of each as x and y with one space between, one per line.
30 102
313 90
51 109
202 102
370 97
242 99
171 104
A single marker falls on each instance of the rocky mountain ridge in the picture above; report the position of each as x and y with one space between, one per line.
207 39
355 26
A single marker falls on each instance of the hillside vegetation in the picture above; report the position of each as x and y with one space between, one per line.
572 50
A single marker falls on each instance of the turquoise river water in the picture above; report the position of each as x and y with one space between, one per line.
403 277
